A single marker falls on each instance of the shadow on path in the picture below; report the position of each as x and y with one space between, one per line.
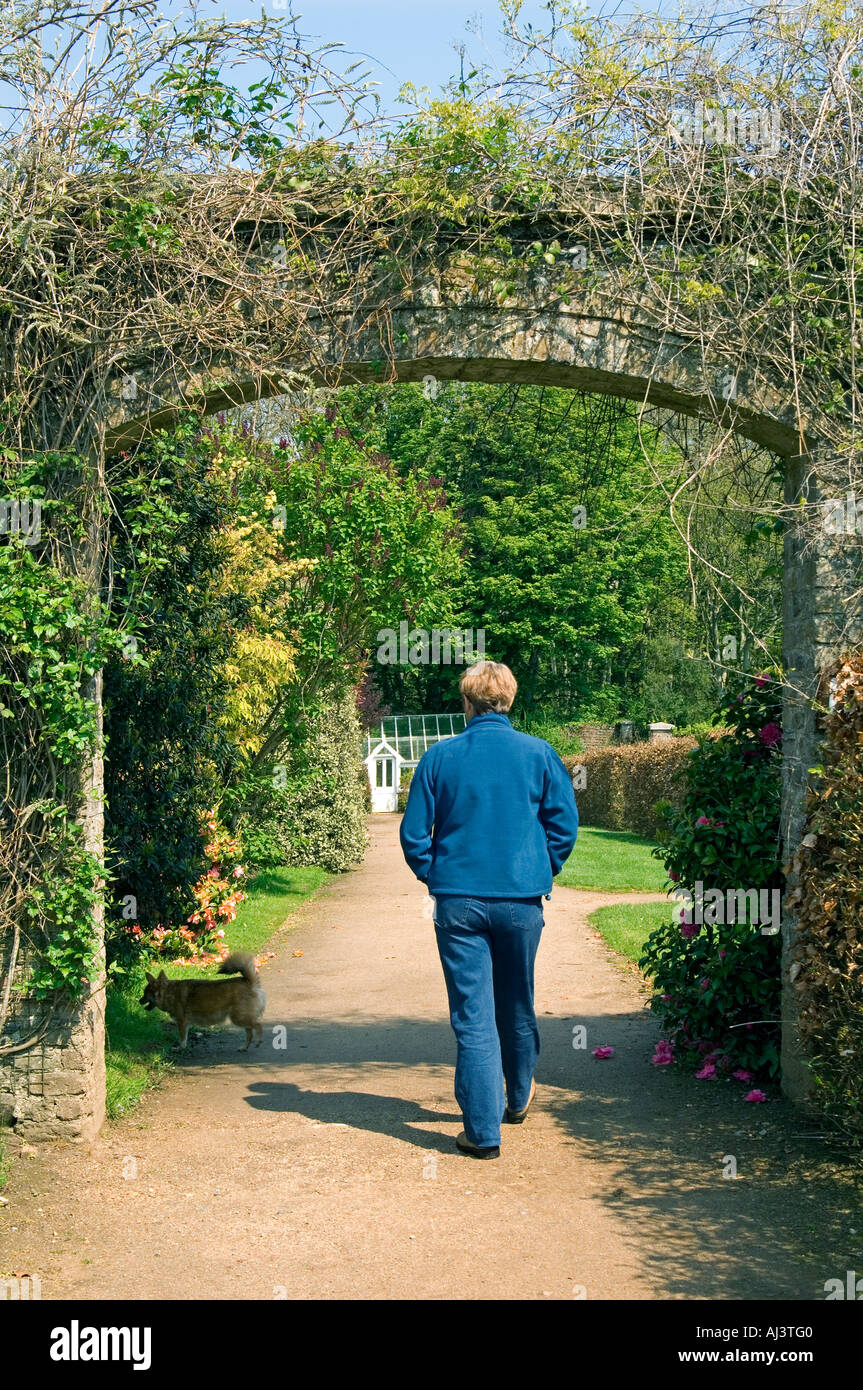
358 1109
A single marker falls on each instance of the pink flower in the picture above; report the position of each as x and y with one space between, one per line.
674 876
664 1054
667 998
689 929
760 681
602 1052
707 1073
742 1074
239 871
722 953
703 983
702 820
771 734
756 1096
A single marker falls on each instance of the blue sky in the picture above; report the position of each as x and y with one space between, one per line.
410 40
402 40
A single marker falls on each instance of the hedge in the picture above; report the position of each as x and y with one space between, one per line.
826 894
622 784
314 817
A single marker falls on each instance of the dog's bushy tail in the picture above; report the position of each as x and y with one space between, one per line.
240 963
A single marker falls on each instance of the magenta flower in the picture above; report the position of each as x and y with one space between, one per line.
702 820
689 929
722 953
664 1054
756 1096
771 734
742 1074
760 681
602 1052
703 983
674 876
707 1073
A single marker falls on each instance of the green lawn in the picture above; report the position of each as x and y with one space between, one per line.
613 861
626 926
139 1044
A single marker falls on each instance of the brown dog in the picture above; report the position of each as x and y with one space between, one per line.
207 1002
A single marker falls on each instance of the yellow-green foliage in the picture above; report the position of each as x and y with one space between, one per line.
262 662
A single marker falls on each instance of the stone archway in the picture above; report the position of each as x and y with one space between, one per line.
446 332
580 348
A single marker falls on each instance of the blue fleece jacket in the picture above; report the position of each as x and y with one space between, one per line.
490 814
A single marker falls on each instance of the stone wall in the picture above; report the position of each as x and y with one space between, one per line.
595 736
55 1089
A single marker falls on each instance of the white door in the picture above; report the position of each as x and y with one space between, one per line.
385 793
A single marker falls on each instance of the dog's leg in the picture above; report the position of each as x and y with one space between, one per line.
260 1029
248 1040
184 1034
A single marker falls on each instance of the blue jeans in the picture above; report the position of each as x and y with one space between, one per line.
487 948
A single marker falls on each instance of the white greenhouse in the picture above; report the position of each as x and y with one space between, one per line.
400 741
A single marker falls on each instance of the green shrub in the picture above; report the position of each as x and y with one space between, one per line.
404 788
311 807
717 983
564 738
701 728
167 756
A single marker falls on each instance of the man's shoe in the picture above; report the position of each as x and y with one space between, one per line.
518 1117
466 1147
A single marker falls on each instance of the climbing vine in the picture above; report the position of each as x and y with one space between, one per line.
54 639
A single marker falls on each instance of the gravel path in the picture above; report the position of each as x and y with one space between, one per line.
326 1168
